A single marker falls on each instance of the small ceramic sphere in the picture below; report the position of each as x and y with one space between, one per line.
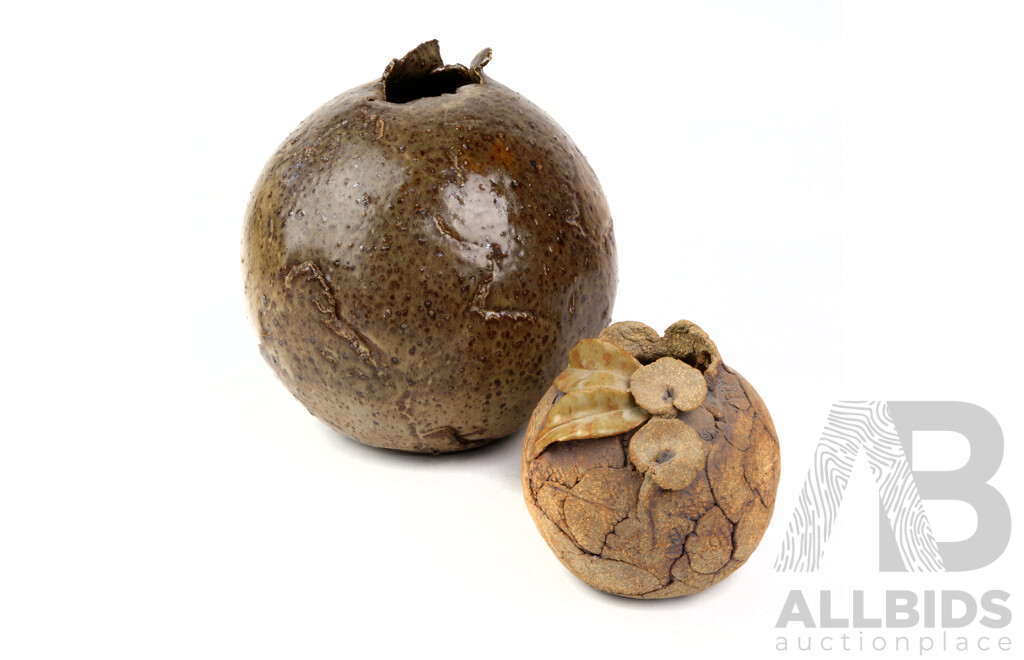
420 255
672 506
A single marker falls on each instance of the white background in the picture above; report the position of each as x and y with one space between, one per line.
833 192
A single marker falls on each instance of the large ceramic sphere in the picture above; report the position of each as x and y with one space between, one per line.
422 252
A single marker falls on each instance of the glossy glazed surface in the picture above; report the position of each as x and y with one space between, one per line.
417 272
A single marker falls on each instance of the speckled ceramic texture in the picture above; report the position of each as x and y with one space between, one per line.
625 536
417 272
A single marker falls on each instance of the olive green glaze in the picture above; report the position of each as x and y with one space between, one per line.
418 271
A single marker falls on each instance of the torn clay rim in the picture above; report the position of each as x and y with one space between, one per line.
683 340
421 73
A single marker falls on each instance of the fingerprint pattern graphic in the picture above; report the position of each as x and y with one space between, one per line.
851 426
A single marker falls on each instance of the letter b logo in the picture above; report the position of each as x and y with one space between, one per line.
884 431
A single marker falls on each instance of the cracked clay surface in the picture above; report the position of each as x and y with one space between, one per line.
618 530
419 267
